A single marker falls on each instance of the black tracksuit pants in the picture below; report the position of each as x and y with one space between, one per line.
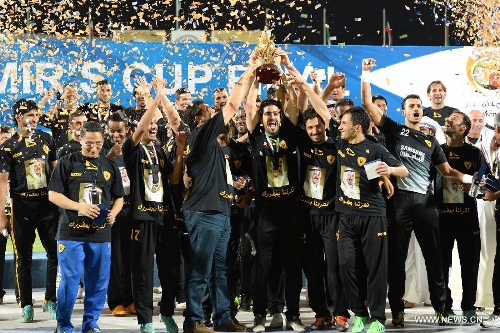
362 247
410 211
28 216
278 242
464 229
321 265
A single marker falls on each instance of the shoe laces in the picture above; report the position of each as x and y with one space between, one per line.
341 320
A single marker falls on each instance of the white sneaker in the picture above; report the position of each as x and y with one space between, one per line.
277 321
295 324
80 293
259 324
492 322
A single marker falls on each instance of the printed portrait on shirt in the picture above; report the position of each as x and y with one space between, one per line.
153 189
277 171
314 182
90 193
452 192
125 180
350 182
35 173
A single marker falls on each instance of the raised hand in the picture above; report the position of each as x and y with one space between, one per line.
181 140
367 64
337 79
283 56
159 85
142 86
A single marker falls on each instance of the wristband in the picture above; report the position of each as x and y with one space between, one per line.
467 179
290 64
365 76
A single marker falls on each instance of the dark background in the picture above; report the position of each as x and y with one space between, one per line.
353 22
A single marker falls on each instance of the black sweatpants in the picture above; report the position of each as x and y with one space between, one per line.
247 259
464 229
362 247
278 242
321 265
28 216
410 211
147 239
120 281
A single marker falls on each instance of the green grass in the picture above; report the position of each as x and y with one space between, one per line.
37 246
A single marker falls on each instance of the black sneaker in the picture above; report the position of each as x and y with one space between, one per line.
398 319
443 318
259 323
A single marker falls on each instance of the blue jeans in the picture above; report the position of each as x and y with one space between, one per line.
75 257
208 241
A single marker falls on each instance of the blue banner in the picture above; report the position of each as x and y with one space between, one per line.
28 68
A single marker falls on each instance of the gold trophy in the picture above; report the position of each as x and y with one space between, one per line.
268 72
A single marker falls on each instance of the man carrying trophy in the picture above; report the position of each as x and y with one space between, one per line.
277 190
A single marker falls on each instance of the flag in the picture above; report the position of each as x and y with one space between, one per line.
446 34
389 33
91 26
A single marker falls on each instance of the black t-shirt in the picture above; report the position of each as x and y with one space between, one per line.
148 171
85 180
120 162
99 114
439 115
208 168
416 150
451 200
27 162
240 162
318 171
71 147
357 195
275 164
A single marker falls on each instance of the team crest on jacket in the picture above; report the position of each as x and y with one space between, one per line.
429 143
45 149
361 160
61 248
330 159
107 175
237 164
467 165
